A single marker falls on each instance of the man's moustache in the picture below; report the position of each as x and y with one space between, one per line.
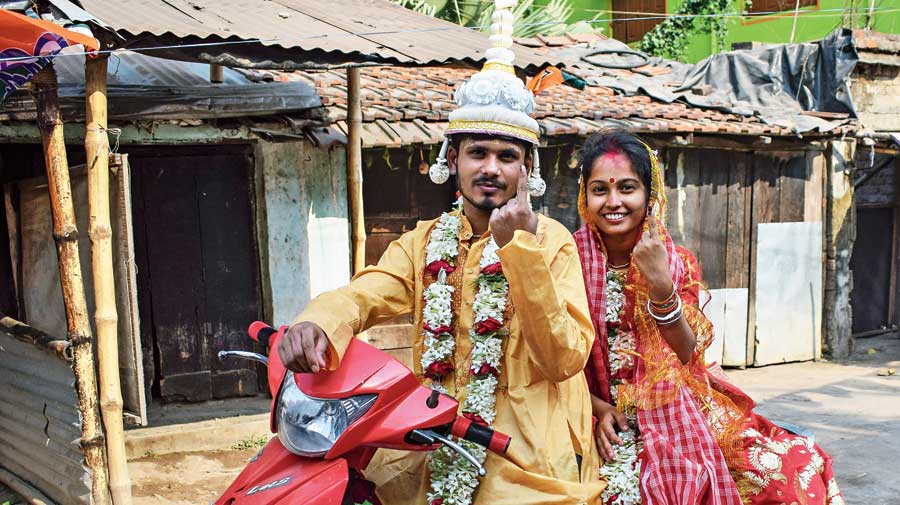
493 182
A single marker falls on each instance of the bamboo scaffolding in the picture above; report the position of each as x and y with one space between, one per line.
96 145
354 170
65 234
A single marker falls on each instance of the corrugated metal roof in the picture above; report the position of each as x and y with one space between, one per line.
142 87
127 68
297 33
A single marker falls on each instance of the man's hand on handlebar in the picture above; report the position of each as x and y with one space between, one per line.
303 347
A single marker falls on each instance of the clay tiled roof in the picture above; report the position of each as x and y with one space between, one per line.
876 41
411 105
402 105
877 48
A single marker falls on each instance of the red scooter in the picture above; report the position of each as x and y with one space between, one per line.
329 425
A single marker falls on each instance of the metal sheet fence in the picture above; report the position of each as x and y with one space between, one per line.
40 424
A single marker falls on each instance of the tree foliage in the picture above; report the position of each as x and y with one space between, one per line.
531 20
670 38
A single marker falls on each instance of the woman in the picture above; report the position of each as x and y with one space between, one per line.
669 430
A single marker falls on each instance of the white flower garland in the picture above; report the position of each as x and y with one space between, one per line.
620 342
623 473
453 479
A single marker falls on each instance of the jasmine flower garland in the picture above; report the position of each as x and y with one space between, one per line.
453 480
623 473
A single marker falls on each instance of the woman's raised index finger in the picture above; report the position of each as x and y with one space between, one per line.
654 230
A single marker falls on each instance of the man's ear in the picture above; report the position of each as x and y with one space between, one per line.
529 163
451 159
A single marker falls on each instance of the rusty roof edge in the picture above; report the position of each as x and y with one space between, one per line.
178 45
204 50
580 126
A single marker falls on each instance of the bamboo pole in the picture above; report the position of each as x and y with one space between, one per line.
65 234
96 144
354 170
216 73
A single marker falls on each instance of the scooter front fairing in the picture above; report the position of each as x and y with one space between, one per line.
275 476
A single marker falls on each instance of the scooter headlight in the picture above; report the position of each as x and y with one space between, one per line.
310 426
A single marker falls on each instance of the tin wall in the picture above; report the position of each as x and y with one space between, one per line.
39 422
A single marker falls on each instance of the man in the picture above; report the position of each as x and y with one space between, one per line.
500 312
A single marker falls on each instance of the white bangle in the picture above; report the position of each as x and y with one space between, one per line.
674 320
670 317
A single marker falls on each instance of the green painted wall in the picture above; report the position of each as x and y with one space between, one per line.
584 9
812 23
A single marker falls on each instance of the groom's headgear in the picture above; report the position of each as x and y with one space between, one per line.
495 101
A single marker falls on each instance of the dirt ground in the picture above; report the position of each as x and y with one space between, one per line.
853 411
185 478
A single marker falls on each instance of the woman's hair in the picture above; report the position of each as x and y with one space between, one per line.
616 141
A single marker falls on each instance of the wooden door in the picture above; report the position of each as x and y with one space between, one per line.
871 265
397 194
720 204
785 322
709 195
198 269
36 268
627 25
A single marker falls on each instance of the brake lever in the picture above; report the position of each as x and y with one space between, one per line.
429 437
252 356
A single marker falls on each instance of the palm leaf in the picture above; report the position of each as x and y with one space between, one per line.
531 20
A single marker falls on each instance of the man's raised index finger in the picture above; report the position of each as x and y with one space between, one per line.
522 193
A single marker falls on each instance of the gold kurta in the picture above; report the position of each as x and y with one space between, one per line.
542 397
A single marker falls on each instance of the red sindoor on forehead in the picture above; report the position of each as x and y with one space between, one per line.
611 154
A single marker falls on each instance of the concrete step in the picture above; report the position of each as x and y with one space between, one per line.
215 435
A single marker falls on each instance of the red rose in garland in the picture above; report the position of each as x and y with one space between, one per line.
485 370
475 418
488 325
492 269
439 330
436 266
438 370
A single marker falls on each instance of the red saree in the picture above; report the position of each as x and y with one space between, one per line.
702 442
692 433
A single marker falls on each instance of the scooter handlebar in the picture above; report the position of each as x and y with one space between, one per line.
462 427
262 332
480 434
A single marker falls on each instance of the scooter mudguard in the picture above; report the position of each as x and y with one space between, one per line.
278 477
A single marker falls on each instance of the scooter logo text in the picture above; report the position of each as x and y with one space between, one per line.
266 487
